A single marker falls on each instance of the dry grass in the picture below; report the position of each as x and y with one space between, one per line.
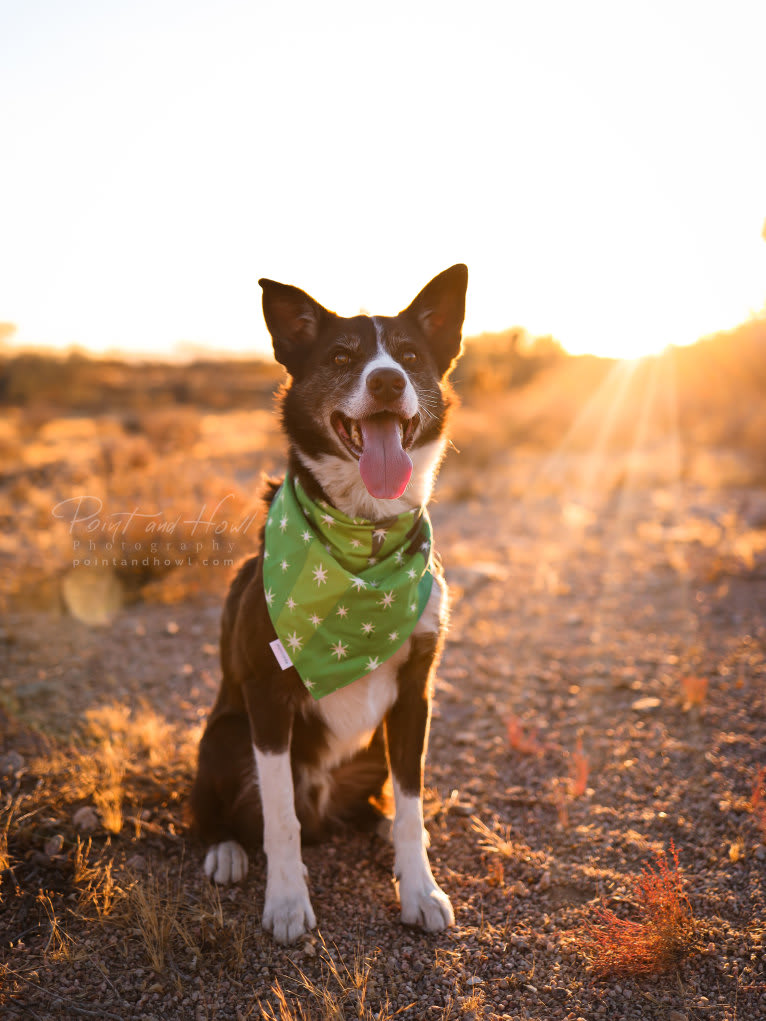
662 938
341 992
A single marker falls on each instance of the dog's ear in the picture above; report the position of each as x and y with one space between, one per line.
294 320
439 311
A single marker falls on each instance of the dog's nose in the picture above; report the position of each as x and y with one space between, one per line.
386 384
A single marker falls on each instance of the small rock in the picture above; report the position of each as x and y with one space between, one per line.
11 765
54 845
172 628
86 819
474 980
544 881
645 705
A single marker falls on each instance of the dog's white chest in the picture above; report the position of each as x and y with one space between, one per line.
352 714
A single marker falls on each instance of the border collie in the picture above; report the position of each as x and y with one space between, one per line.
331 635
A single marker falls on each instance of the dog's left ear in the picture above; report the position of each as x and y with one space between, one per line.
439 311
294 320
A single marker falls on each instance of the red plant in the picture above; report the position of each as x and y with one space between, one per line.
527 744
695 691
578 771
663 936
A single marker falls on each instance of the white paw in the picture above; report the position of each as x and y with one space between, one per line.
287 912
226 863
424 903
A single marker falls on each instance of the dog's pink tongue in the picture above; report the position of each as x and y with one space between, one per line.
384 466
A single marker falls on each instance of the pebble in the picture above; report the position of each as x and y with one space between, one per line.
11 764
54 845
85 819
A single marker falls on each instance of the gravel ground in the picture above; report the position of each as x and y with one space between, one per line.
574 628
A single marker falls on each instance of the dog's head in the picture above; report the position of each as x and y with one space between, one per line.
367 391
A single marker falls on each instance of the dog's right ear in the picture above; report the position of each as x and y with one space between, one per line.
294 320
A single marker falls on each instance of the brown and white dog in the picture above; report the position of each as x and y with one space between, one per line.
365 414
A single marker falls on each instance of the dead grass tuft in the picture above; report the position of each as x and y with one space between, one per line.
660 940
340 993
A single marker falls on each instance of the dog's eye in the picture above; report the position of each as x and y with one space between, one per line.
342 358
409 357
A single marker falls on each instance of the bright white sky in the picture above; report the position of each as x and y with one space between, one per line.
600 166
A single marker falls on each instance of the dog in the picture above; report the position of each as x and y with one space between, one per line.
330 637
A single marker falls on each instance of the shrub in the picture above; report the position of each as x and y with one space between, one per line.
662 937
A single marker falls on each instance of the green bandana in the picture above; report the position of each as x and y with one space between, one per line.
343 593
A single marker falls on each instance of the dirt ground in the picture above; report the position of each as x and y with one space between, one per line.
602 694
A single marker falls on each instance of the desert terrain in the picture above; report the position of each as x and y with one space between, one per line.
596 779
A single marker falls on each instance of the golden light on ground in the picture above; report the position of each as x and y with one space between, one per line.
599 169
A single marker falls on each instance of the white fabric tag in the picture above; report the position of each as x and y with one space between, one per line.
280 654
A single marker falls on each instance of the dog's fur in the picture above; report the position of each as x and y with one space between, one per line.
273 763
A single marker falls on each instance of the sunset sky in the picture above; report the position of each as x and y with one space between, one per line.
600 166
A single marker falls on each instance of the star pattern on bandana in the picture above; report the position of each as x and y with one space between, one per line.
387 600
315 619
339 650
368 627
373 663
294 641
320 575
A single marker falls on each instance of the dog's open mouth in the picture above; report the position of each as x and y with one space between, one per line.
380 444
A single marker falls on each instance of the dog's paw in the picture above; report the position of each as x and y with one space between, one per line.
226 863
424 903
287 913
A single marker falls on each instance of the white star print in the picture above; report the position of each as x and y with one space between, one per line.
283 523
371 561
291 603
398 556
308 682
359 583
412 574
355 543
425 545
368 628
320 575
342 611
269 596
284 565
387 599
339 650
327 518
379 533
373 663
294 641
393 636
413 607
306 536
315 619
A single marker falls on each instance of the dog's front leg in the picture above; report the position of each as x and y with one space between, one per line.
287 911
423 902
